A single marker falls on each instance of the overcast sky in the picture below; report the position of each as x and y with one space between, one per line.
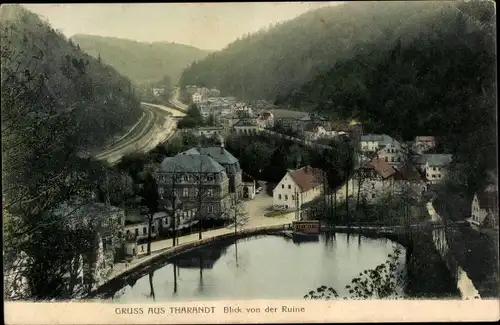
205 25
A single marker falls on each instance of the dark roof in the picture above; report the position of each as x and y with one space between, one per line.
220 154
409 172
190 163
306 177
246 122
438 159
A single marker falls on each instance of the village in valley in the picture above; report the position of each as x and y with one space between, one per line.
203 165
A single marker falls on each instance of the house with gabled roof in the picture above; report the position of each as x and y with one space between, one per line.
371 143
378 178
246 126
436 166
484 209
192 175
297 187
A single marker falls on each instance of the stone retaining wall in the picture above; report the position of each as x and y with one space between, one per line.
161 256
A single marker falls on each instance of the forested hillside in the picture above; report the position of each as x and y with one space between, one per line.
55 102
273 62
441 83
141 62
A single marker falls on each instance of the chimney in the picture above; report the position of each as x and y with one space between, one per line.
221 144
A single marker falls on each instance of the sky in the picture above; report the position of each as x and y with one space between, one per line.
209 26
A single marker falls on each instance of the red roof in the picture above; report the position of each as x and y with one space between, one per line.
425 138
306 177
381 167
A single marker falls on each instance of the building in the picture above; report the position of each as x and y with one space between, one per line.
378 179
246 126
265 119
484 209
424 143
227 161
394 152
206 131
196 97
197 180
372 143
297 187
157 92
214 92
204 92
191 89
227 121
436 166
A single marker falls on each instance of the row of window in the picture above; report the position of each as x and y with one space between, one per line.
433 175
283 186
286 197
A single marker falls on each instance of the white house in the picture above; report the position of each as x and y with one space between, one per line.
436 166
374 142
394 152
297 187
484 209
196 98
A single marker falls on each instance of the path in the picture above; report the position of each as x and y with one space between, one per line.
160 246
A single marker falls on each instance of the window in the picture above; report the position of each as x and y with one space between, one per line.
127 232
373 185
136 232
433 168
289 187
144 231
210 177
293 197
286 206
286 197
392 159
210 192
165 221
210 209
185 192
282 185
279 196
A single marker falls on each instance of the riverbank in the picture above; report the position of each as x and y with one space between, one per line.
137 268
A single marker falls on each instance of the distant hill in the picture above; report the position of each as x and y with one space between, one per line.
141 62
56 99
274 61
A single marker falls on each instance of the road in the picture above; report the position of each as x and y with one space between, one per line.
176 102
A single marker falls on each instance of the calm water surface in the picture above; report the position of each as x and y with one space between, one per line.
263 267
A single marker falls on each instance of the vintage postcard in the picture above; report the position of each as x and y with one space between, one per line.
200 163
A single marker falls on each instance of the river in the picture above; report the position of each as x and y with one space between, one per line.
260 267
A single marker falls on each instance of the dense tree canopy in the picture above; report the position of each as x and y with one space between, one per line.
279 59
141 62
441 84
56 102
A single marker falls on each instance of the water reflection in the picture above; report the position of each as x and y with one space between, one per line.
265 267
